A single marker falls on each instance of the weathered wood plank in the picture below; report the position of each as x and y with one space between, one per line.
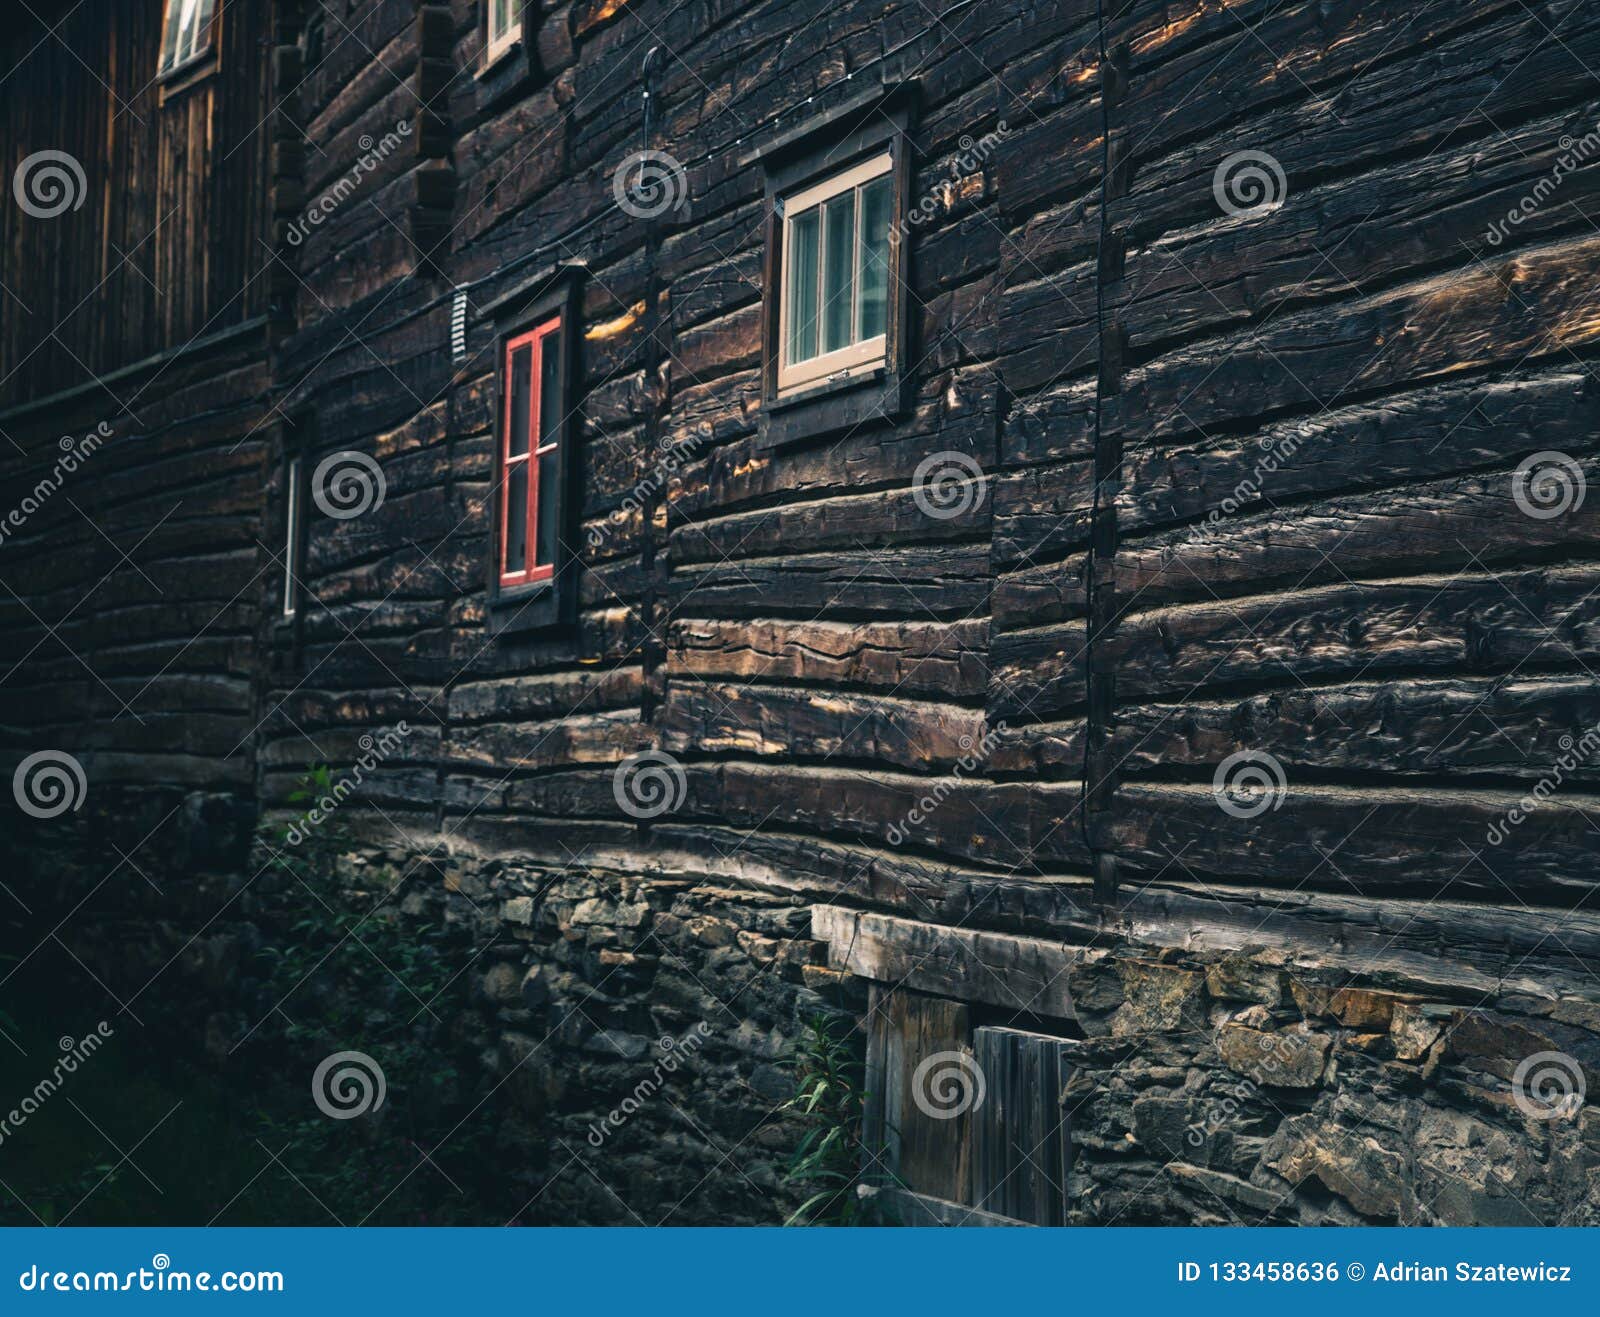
913 658
1465 623
1021 974
1527 727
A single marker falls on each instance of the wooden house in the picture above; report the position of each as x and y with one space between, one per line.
1055 530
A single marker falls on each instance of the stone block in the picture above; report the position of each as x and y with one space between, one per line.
1157 998
1279 1059
1241 978
1373 1179
1415 1028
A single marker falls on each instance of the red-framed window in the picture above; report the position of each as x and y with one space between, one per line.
530 461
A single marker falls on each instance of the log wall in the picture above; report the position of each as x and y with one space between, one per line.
1247 478
1246 485
164 239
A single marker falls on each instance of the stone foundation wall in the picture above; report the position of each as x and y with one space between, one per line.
631 1032
644 1024
1239 1091
636 1027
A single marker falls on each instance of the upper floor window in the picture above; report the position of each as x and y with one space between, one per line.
834 302
504 28
530 488
835 336
186 34
533 560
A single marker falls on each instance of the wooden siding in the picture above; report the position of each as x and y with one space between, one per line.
1113 350
128 613
168 244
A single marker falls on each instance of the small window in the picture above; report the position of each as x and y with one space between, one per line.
504 28
291 538
834 301
530 513
530 458
835 328
186 34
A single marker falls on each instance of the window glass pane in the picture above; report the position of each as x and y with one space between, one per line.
169 43
838 271
550 387
516 496
521 384
186 29
202 25
801 289
549 525
872 313
501 20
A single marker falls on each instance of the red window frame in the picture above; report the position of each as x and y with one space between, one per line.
531 572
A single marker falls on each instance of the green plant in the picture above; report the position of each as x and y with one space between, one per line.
350 973
828 1102
234 1135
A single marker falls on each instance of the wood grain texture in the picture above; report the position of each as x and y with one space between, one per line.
1245 482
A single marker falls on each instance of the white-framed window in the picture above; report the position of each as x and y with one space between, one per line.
834 302
291 542
503 28
186 33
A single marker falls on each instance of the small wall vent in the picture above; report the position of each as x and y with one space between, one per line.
458 327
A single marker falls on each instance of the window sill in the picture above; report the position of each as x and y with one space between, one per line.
188 75
494 61
832 382
511 71
524 608
861 398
